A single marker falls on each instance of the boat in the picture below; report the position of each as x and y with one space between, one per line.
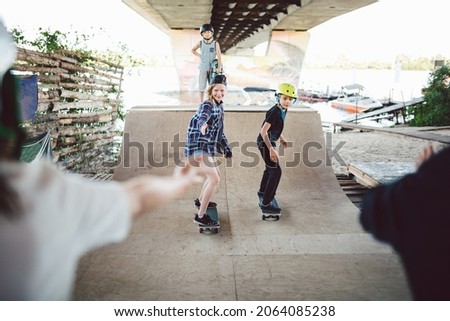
313 96
353 100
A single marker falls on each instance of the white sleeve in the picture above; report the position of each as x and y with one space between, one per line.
103 215
62 217
85 213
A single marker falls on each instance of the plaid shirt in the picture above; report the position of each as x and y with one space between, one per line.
214 140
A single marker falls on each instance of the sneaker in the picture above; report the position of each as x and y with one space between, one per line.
204 220
210 204
270 208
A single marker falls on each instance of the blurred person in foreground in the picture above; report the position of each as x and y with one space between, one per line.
49 219
413 215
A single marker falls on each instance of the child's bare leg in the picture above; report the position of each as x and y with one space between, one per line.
200 198
210 184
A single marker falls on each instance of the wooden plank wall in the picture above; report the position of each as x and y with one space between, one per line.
79 98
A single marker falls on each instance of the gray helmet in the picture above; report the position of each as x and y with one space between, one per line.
219 79
206 27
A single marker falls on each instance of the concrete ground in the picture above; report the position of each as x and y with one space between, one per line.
316 251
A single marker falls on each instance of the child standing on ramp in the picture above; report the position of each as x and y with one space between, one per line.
205 138
271 131
209 51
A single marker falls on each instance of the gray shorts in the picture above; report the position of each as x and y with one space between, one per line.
203 80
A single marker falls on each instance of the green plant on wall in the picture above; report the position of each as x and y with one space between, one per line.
435 110
50 41
46 40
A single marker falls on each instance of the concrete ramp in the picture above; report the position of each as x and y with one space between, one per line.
316 251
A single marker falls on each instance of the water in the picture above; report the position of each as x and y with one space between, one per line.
381 84
159 86
328 114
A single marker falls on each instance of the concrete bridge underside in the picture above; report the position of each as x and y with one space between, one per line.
316 251
239 27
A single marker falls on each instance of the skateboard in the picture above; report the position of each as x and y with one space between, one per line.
211 229
213 70
272 216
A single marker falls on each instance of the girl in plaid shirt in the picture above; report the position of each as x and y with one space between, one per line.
205 138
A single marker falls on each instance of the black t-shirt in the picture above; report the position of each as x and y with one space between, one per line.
273 117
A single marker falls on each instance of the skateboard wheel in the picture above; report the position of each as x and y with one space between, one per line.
201 230
263 217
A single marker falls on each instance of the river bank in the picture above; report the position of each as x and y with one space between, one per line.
376 146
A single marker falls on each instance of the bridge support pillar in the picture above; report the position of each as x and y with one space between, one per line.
286 52
186 63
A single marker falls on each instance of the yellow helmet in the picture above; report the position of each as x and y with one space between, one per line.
287 90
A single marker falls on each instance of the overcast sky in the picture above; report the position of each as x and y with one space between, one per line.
386 28
379 31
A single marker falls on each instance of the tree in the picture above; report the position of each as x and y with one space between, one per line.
435 110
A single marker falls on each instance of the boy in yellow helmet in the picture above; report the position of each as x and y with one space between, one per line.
271 131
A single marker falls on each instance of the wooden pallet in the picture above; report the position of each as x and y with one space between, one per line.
354 190
99 177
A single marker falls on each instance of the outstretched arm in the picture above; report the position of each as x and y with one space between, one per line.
146 193
412 214
205 113
395 212
424 155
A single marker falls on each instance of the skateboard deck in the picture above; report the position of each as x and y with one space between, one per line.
265 215
211 229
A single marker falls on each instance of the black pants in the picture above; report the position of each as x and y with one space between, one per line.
271 177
